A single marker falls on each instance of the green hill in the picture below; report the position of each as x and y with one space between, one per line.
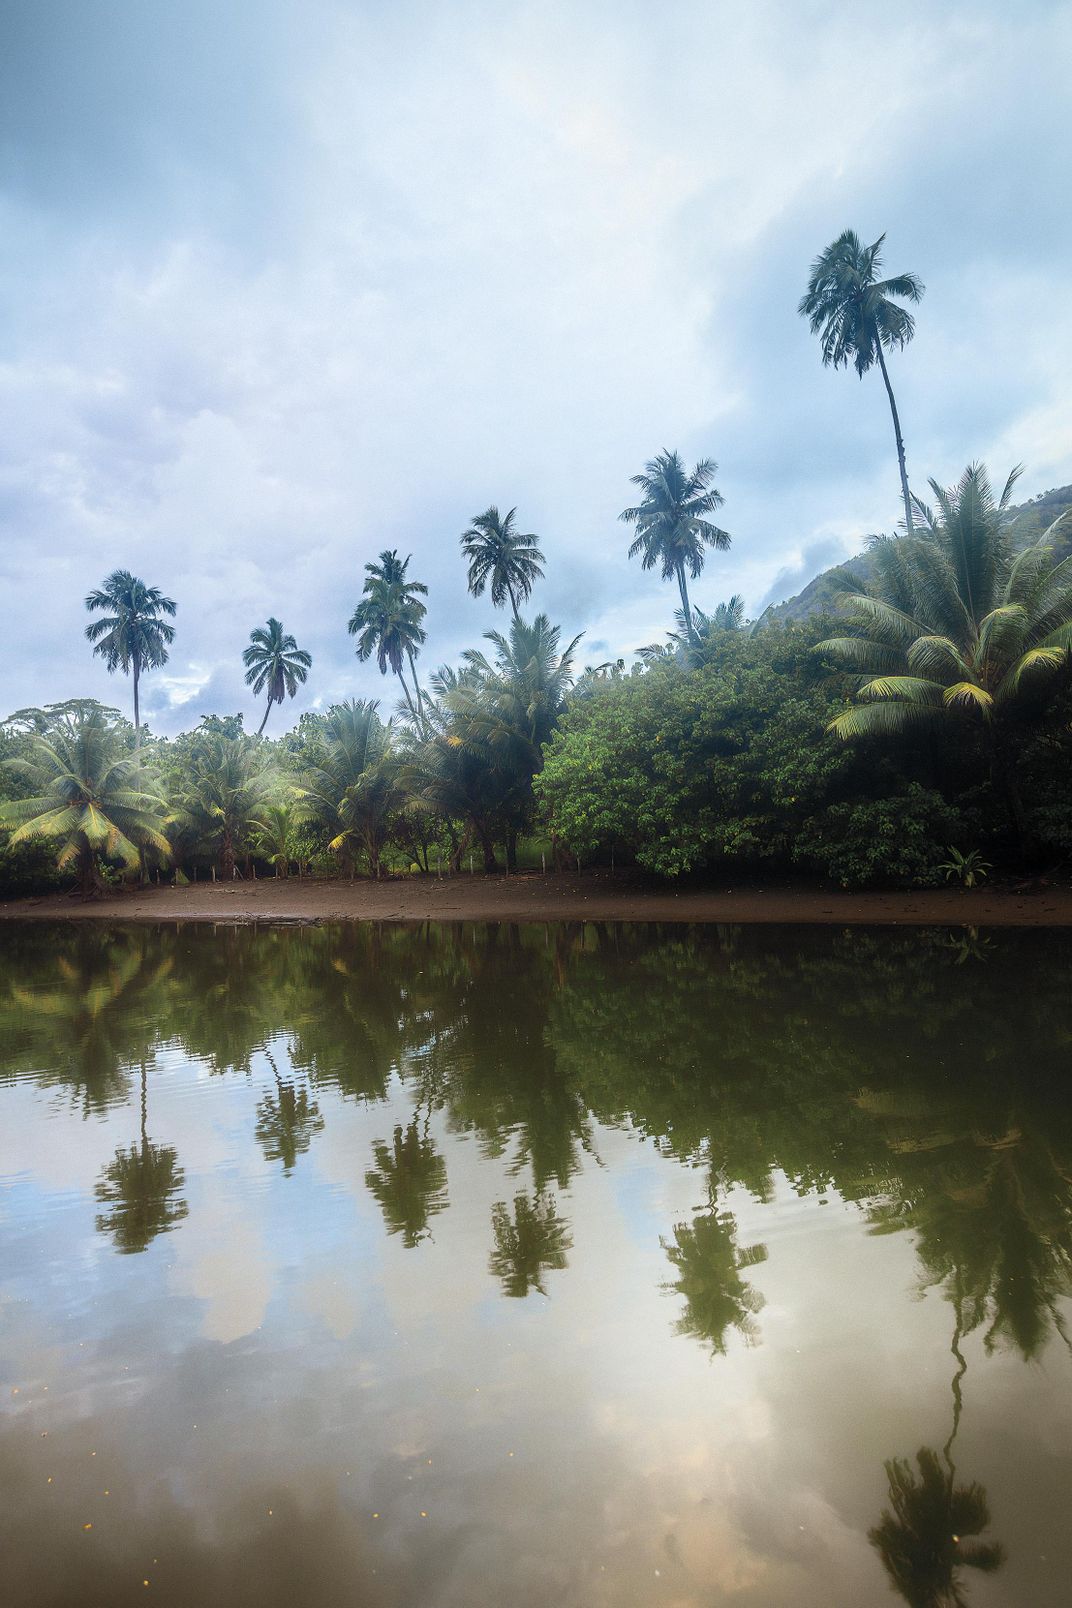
1032 518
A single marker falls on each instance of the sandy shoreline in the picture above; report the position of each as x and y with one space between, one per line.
594 896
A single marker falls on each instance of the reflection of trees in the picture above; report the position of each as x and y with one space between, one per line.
140 1189
77 1012
410 1182
925 1536
528 1243
286 1120
708 1264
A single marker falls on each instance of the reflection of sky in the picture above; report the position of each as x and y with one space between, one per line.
267 1377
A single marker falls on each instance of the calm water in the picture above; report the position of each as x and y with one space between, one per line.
534 1268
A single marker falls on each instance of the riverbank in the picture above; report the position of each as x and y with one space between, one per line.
592 896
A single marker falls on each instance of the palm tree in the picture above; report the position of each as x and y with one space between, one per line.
287 1121
274 660
89 796
708 1264
535 1238
223 794
957 627
277 836
387 621
131 637
410 1182
672 524
924 1541
354 790
140 1187
507 710
852 312
498 553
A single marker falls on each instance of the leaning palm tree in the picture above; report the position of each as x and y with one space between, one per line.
925 1536
274 660
501 557
87 795
856 316
131 636
387 621
958 627
672 522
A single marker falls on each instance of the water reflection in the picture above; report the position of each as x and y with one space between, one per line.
470 1091
140 1188
925 1537
529 1241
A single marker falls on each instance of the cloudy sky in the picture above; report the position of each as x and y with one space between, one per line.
283 285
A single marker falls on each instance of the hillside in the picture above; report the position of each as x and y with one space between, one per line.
1032 518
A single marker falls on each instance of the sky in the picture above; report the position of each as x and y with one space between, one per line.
282 286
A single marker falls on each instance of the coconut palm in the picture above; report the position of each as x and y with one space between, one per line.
924 1536
958 627
274 660
506 709
287 1120
88 795
410 1182
672 522
140 1190
500 556
531 1241
708 1263
131 637
387 621
222 796
856 316
355 789
277 835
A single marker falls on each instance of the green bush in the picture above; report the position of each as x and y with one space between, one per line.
896 842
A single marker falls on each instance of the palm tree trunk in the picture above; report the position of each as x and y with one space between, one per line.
416 685
137 714
685 600
899 438
264 722
409 700
513 602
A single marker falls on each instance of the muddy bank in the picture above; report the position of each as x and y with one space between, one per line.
593 896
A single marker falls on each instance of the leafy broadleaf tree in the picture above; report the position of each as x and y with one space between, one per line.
501 558
274 660
857 318
88 795
672 523
131 636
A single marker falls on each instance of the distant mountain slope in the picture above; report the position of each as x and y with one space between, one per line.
819 595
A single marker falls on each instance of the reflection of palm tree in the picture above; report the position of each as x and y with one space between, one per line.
534 1239
708 1264
923 1541
286 1121
141 1187
410 1182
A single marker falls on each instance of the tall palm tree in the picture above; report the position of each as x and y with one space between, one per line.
958 627
131 637
672 524
274 660
924 1538
140 1189
387 621
855 315
501 555
89 796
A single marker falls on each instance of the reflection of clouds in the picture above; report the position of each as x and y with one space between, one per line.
223 1261
333 1299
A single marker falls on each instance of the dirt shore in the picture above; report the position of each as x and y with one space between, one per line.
593 896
